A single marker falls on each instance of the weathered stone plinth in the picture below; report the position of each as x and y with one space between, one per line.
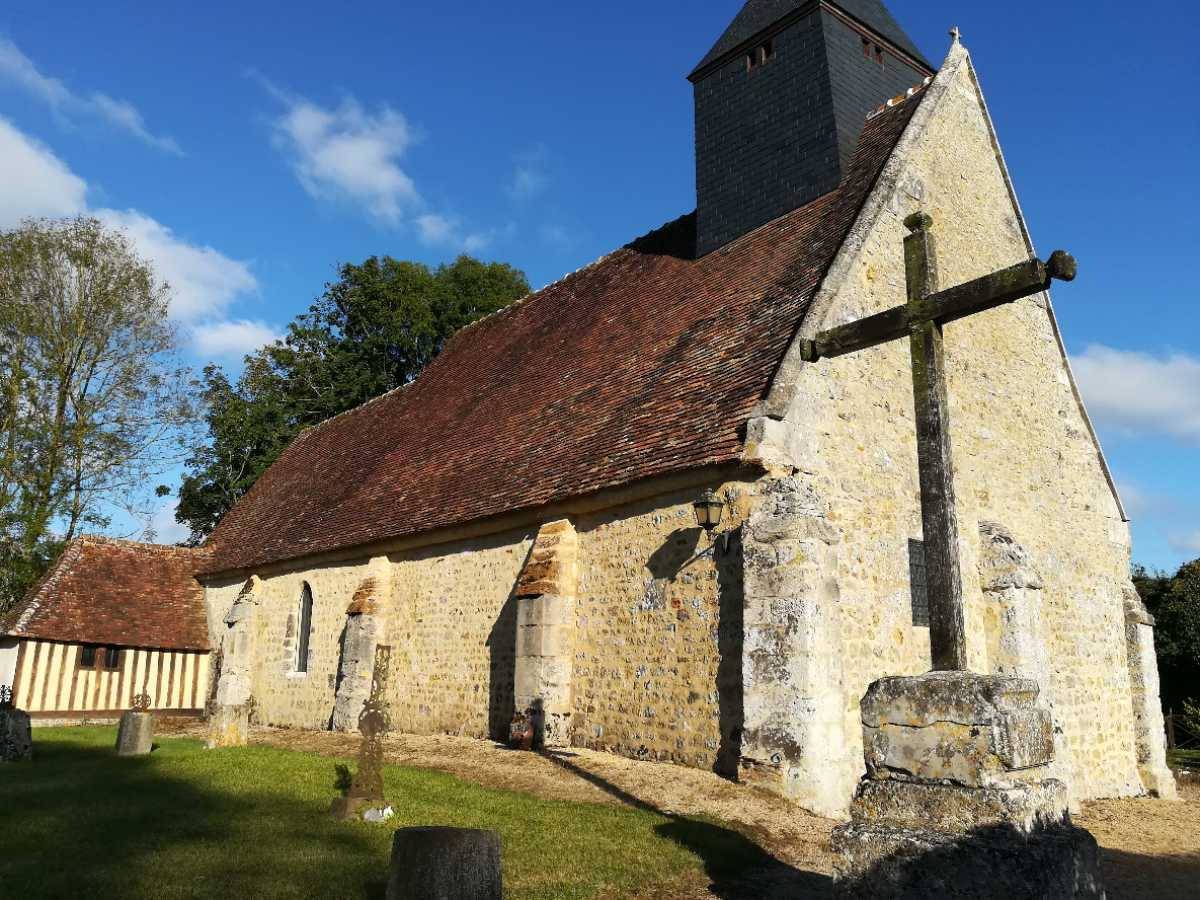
445 864
16 735
135 734
229 726
957 801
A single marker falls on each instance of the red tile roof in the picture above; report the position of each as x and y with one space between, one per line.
117 594
646 362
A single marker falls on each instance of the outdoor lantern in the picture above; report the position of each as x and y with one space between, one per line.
709 509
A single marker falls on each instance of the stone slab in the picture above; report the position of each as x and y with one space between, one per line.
998 863
953 809
445 864
135 734
960 728
16 735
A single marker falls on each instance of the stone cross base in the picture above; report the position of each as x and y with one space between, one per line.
16 735
229 726
135 735
956 801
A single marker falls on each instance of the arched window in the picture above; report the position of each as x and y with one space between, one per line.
304 623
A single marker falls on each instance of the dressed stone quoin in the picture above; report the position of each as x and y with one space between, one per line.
518 524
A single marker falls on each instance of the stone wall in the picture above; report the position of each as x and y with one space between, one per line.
647 646
1024 453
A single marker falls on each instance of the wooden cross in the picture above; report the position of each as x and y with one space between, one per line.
922 319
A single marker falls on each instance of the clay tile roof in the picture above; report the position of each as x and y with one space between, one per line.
119 594
646 362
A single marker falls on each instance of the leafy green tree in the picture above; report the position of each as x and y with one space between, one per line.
372 330
1174 601
93 404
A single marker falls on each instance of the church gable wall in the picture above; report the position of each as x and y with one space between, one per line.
1023 451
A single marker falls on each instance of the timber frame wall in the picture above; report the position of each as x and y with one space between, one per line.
50 682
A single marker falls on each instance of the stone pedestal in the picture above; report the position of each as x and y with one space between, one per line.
135 734
445 864
957 801
229 726
16 736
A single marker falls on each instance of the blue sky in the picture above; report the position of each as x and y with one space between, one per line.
248 148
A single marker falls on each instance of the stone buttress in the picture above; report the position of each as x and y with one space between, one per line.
365 625
1149 727
1016 636
545 648
793 693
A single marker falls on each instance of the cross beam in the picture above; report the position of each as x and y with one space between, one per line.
921 319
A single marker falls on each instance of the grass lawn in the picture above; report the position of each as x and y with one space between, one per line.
1184 758
254 823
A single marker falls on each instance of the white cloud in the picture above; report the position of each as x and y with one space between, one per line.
1185 543
204 281
557 236
530 174
447 231
19 69
348 154
163 527
1140 394
232 338
35 182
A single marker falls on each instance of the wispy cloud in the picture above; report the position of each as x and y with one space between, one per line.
347 154
447 231
163 528
531 173
1185 542
204 281
557 237
1141 394
19 69
234 338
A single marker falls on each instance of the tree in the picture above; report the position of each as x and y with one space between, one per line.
1175 604
92 403
372 330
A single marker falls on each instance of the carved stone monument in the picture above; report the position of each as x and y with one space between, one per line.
958 799
365 792
229 722
135 734
16 731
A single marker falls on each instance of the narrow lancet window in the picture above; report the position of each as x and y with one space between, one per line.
304 627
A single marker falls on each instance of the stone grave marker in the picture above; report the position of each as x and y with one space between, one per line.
16 731
365 792
957 799
445 864
135 734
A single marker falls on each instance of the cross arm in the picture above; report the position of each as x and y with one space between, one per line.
1022 280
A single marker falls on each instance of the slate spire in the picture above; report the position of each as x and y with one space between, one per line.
781 99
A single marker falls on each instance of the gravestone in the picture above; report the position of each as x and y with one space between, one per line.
445 864
365 792
957 800
16 730
135 734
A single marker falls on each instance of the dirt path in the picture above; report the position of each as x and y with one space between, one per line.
1151 849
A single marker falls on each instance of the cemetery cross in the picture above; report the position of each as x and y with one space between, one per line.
922 319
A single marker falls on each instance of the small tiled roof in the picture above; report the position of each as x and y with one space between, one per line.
647 362
759 14
117 594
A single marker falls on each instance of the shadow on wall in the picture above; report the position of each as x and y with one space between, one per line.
502 651
737 867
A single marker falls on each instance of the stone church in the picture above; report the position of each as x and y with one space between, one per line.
518 524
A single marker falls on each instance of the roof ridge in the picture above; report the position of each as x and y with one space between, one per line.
900 98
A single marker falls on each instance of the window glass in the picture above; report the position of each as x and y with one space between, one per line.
305 626
112 658
87 657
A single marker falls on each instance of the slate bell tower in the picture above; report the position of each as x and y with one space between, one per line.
780 102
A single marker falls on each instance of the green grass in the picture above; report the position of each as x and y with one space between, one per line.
1188 759
254 823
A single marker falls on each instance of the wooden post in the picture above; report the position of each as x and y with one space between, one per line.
947 624
1171 730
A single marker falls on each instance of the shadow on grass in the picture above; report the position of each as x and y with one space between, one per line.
79 820
737 867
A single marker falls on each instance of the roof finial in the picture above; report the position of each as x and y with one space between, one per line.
956 34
